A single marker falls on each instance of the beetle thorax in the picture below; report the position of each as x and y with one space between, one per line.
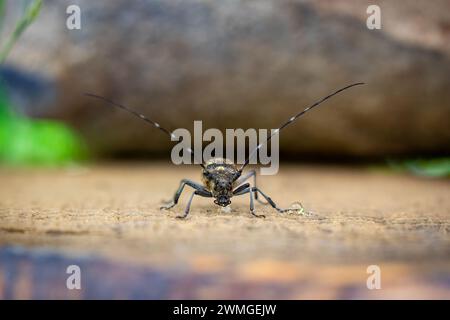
219 178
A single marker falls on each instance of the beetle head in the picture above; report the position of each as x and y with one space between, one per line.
222 191
222 200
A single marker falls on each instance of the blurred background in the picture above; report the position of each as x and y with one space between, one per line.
73 192
232 64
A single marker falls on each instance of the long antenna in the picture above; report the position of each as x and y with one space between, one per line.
140 116
292 119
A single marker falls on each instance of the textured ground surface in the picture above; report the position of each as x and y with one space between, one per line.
106 220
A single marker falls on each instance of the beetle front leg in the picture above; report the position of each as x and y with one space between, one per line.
252 207
244 178
177 195
188 206
201 193
243 189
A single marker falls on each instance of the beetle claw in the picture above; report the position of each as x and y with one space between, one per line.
167 207
257 215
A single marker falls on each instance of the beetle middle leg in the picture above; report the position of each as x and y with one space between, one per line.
198 187
251 173
269 200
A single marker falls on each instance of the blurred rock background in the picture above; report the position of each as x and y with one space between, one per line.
247 64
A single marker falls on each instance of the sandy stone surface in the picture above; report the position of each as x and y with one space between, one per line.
109 213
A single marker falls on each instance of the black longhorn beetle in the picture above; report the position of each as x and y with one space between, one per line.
222 179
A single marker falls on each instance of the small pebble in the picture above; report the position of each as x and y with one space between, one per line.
297 208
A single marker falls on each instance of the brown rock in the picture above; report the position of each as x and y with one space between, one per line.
251 64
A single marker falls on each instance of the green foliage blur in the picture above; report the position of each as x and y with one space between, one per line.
433 168
25 141
36 142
